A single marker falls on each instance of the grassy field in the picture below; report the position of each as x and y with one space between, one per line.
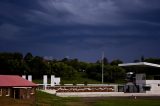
81 81
127 102
44 99
78 81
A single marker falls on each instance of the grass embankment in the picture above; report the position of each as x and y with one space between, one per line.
45 99
81 81
78 81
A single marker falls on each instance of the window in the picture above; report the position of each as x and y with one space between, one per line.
0 91
7 92
147 88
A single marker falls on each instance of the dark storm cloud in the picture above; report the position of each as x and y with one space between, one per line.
85 27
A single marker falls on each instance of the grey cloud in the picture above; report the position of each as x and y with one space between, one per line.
137 5
9 31
150 23
90 12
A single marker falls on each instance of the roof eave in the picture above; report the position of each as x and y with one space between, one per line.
139 64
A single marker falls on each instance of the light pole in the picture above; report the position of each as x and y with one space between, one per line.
102 66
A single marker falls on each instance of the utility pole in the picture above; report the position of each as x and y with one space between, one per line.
102 65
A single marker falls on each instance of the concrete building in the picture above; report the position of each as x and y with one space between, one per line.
139 82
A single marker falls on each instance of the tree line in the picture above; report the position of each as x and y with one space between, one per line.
67 69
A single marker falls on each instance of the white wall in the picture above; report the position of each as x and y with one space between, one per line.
52 80
24 76
57 81
30 78
45 82
155 86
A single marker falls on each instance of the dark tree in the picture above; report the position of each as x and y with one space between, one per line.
105 60
28 57
116 62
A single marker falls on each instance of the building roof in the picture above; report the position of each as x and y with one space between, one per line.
139 64
15 81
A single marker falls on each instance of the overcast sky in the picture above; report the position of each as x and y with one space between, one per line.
83 29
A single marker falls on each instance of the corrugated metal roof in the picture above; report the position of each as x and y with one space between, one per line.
15 81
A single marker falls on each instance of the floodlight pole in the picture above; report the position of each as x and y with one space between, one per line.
102 66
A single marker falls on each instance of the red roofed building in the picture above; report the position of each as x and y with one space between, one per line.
17 87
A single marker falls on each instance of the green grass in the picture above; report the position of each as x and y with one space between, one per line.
81 81
78 81
45 99
128 102
38 81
